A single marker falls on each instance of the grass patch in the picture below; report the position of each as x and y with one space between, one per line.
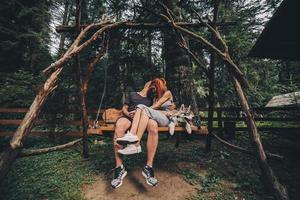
220 174
51 176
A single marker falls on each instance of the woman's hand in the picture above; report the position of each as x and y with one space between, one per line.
167 96
131 114
170 113
172 107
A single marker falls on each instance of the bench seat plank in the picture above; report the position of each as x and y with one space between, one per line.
111 128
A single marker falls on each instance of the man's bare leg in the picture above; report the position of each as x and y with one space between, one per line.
121 126
152 142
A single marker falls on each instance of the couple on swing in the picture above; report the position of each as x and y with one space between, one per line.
143 110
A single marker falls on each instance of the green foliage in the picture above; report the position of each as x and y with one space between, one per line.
209 182
17 89
25 35
53 176
136 56
191 176
219 174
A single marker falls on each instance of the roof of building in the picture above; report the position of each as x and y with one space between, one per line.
289 99
280 38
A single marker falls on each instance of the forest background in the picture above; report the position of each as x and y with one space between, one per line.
29 43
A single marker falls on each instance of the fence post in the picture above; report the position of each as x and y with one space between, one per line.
219 116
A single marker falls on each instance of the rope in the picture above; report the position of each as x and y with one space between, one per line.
105 84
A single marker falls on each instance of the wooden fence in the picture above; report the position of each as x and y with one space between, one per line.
226 115
225 118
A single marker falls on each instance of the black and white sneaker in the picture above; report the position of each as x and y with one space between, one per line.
148 173
119 175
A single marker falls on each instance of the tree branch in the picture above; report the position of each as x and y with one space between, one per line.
199 63
213 31
225 56
75 48
140 25
33 152
244 150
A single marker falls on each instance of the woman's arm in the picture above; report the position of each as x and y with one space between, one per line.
167 96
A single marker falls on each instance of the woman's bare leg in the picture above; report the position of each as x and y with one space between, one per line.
142 124
135 121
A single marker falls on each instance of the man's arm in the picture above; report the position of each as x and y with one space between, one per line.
126 105
125 110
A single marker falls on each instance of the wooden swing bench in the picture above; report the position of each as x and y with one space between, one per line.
110 116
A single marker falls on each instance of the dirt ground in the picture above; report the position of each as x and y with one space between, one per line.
171 186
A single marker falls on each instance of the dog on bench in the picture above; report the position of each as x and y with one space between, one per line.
183 116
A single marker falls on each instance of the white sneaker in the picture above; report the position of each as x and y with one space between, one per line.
130 149
128 138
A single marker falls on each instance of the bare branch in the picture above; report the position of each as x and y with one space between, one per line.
199 63
99 56
212 30
223 55
140 25
33 152
75 48
244 150
96 35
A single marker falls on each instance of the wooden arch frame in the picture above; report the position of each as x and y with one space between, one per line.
10 154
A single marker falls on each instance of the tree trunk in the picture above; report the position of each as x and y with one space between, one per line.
82 88
9 155
211 100
84 112
211 80
6 160
278 190
64 23
114 70
178 65
149 50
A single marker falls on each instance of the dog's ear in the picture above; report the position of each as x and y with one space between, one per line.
181 108
189 109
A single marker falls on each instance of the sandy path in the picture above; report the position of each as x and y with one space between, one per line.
171 186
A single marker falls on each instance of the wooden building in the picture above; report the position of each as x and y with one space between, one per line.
280 38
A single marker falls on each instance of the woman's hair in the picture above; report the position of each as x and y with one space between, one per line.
164 81
160 86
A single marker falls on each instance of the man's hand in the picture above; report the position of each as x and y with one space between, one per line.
131 114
